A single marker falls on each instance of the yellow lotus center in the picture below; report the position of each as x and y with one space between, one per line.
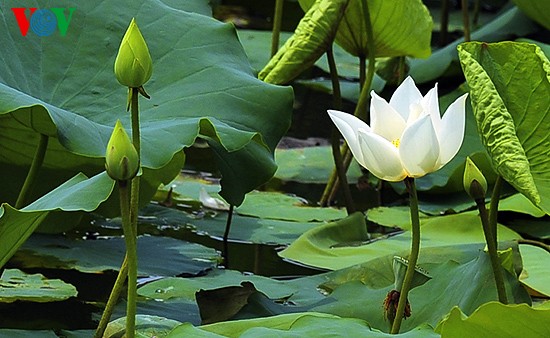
396 142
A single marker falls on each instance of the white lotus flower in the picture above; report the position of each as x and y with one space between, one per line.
407 136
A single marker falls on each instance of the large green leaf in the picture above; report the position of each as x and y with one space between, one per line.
467 284
535 263
462 275
15 285
312 38
497 320
195 89
537 10
346 242
309 324
400 27
509 85
74 195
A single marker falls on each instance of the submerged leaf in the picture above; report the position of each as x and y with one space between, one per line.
15 285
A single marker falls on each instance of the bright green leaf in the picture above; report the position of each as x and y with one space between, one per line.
274 205
310 324
344 243
496 320
509 85
312 38
400 27
146 327
17 225
535 264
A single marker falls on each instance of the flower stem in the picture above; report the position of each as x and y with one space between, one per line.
444 24
136 140
361 107
413 257
491 237
335 136
131 251
493 208
466 20
492 248
225 252
131 254
276 32
113 299
36 164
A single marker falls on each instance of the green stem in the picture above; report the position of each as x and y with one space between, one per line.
276 32
131 254
335 137
225 253
493 208
133 217
535 243
492 248
136 140
466 20
361 107
413 257
477 6
113 298
444 27
36 164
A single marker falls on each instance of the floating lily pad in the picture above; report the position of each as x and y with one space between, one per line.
497 320
293 325
16 285
344 243
157 256
12 333
243 228
146 326
274 205
310 165
535 264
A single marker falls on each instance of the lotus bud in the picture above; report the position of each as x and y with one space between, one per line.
475 183
133 64
121 159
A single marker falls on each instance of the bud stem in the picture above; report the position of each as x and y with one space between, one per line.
413 257
36 164
489 223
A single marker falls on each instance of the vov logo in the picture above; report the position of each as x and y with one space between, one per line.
43 22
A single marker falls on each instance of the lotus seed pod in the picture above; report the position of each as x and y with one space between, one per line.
133 64
121 159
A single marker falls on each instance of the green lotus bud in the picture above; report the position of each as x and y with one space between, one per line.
133 64
121 159
475 183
